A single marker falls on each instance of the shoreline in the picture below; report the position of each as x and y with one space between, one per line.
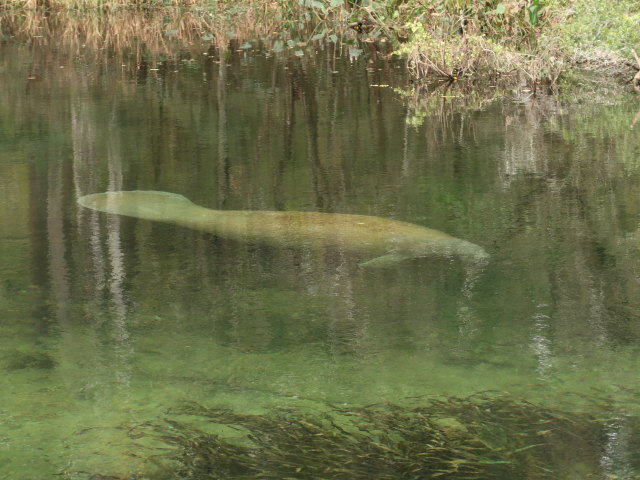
432 53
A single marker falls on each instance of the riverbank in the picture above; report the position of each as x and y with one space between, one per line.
539 42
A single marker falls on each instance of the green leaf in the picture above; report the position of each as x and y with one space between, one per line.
533 14
278 46
333 38
317 36
318 5
336 3
500 9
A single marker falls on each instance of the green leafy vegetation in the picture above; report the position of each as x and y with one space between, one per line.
538 39
598 33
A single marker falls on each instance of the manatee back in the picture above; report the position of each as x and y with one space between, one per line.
147 204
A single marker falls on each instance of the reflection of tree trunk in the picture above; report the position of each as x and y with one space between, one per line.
83 137
620 447
287 135
540 342
347 329
58 269
85 168
223 148
319 178
468 323
121 335
635 119
37 237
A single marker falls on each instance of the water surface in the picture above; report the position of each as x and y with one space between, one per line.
107 321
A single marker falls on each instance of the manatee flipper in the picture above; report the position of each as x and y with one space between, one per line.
383 261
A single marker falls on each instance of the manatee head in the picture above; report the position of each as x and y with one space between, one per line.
150 205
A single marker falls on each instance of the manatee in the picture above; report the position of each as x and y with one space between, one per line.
384 242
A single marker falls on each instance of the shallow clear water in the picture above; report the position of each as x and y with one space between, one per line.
107 321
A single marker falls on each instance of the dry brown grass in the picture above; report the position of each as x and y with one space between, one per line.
194 25
154 30
436 49
109 31
97 4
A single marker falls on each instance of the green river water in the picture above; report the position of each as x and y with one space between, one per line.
106 322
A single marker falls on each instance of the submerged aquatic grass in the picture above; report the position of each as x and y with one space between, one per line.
477 437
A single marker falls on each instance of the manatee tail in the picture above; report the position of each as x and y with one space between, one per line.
150 205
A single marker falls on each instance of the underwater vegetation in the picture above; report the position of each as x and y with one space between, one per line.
484 436
18 360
